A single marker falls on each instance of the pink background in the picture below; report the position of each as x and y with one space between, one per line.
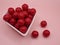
48 10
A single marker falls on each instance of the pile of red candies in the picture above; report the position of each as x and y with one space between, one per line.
21 18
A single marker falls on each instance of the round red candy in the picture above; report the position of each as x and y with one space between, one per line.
25 7
18 9
30 16
35 34
11 10
17 26
7 17
15 15
32 11
46 33
23 29
25 13
28 21
21 15
21 22
43 23
12 21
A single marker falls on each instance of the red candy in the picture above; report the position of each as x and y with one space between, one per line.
28 21
35 34
21 22
11 10
25 7
32 11
43 23
15 15
30 16
23 29
18 9
12 21
7 17
25 13
17 26
21 15
46 33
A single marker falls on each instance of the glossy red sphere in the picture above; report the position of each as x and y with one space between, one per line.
11 10
28 21
43 23
21 15
17 26
35 34
46 33
25 7
25 13
12 21
18 9
32 11
15 15
21 22
30 16
7 17
23 29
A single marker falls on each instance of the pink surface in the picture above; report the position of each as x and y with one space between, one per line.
48 10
